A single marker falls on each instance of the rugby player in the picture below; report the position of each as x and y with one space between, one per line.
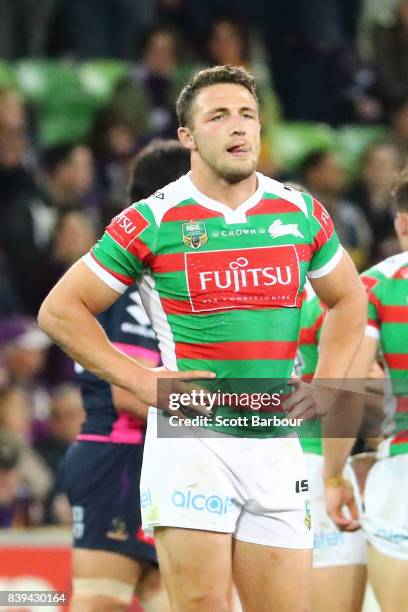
221 255
339 557
112 557
385 517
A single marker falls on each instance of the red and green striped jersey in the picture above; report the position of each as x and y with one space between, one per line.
222 287
387 286
311 321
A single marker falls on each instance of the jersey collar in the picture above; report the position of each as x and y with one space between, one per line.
231 216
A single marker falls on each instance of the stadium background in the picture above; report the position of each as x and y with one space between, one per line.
83 86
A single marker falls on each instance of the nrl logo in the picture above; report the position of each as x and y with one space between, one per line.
194 234
278 229
308 515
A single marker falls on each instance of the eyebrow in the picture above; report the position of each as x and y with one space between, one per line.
224 109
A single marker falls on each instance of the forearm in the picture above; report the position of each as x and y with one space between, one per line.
343 423
336 453
340 428
124 400
342 334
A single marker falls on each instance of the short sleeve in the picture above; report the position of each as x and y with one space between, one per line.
125 249
326 247
373 317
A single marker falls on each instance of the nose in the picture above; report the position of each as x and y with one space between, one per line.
237 126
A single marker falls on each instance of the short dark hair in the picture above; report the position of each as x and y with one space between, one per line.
159 163
211 76
56 155
400 191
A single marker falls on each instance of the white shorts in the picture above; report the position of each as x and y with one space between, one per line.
385 519
332 547
243 486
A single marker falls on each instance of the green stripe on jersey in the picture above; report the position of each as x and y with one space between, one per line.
398 449
306 363
387 286
277 324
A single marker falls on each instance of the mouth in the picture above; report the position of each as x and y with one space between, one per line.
239 150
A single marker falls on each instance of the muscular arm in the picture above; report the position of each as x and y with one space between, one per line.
345 297
338 492
342 334
68 316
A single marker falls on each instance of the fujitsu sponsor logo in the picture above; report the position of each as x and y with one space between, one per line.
257 277
126 226
240 275
125 223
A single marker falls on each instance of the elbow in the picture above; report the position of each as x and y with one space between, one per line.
43 317
47 317
353 306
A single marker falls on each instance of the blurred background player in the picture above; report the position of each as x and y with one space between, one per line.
385 517
339 558
112 557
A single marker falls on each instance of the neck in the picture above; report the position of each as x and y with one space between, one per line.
216 188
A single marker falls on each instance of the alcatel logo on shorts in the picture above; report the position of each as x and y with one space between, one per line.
202 503
327 539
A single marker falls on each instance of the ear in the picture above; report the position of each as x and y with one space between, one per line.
186 138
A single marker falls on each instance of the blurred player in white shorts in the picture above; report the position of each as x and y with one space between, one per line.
339 557
385 517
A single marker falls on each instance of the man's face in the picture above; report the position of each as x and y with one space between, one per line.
76 175
24 363
329 176
225 43
67 414
226 131
381 166
161 53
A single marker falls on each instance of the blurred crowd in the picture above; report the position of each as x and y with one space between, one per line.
334 62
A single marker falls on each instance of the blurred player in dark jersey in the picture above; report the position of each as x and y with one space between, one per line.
112 557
